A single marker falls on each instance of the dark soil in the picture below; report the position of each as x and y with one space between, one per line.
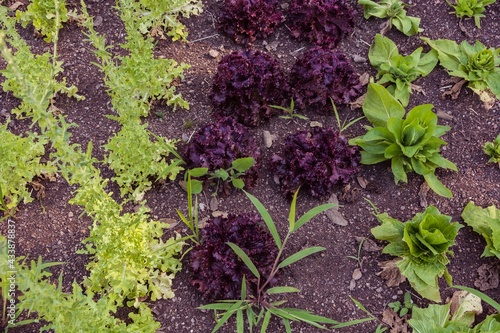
54 229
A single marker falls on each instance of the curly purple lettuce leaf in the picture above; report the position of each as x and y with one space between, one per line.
247 20
318 160
217 271
246 84
321 22
321 74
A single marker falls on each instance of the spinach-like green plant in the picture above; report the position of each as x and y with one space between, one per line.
441 319
259 308
475 64
492 149
233 174
411 144
395 11
20 162
396 71
402 308
486 222
470 8
47 16
423 245
290 111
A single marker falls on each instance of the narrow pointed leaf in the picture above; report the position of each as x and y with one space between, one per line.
300 255
267 219
282 289
244 257
310 214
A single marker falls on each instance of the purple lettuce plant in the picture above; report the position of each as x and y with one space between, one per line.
217 145
247 20
321 22
216 268
317 160
321 74
246 84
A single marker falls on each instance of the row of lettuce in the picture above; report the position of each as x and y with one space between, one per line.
129 261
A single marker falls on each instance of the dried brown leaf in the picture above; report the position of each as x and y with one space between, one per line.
396 323
488 276
391 273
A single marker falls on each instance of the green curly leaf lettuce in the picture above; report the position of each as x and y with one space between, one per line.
397 70
423 244
394 10
47 17
411 144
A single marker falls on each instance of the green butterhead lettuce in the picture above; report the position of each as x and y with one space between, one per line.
411 144
397 70
492 149
477 64
423 244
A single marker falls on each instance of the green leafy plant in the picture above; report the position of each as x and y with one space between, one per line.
402 308
486 222
395 11
423 245
470 8
475 64
290 111
456 316
156 17
20 162
259 307
411 144
492 149
47 16
398 71
135 168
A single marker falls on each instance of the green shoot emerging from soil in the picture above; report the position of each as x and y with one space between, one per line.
492 149
470 8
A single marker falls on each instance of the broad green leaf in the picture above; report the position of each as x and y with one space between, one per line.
382 50
310 214
221 173
436 185
242 164
198 172
428 320
267 219
238 183
300 255
244 257
428 62
282 289
380 105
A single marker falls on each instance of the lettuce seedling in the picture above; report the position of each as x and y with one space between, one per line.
394 10
486 222
476 64
321 22
492 149
411 144
423 244
247 20
470 8
397 70
227 151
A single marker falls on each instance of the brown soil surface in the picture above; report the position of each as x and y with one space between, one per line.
54 229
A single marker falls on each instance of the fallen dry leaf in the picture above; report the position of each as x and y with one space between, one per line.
396 323
362 182
488 276
455 90
333 214
358 103
356 275
391 273
369 245
422 194
472 303
39 188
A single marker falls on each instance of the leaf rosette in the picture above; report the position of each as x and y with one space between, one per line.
492 149
411 144
424 244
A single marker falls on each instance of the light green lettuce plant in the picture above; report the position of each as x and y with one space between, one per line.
47 16
395 11
411 143
399 71
476 64
492 149
486 222
470 8
458 317
423 244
